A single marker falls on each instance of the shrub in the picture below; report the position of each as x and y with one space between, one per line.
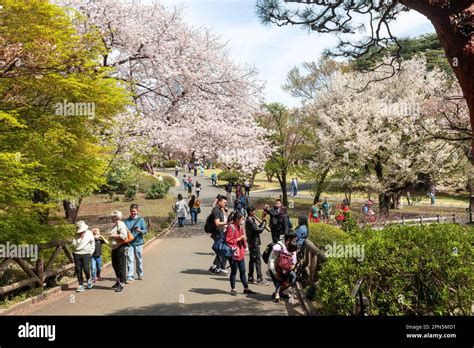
324 234
408 270
121 176
145 183
170 180
229 176
131 192
170 164
158 190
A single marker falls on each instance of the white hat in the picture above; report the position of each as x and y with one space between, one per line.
81 227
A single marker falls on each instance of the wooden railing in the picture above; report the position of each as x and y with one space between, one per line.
39 273
420 221
312 256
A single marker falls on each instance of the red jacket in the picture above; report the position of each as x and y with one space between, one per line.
233 232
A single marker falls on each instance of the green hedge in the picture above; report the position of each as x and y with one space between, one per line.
408 271
169 180
229 176
145 183
170 164
158 190
323 234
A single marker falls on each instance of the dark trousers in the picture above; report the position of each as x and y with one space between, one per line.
255 261
275 235
119 262
247 191
240 265
82 262
181 221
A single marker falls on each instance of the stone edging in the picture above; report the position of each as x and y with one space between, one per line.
48 293
307 307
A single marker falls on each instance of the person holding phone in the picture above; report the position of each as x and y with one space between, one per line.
136 224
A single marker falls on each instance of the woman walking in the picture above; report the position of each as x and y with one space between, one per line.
181 209
195 208
117 236
236 239
84 245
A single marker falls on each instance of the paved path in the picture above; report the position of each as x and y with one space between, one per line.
177 282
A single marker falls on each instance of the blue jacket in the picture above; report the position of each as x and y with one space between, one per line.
141 225
301 234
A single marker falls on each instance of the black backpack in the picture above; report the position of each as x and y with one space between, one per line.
267 252
210 226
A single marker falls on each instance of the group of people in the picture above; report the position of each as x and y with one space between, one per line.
195 167
188 186
320 212
126 239
184 209
240 189
242 233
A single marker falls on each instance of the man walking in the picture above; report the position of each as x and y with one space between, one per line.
219 215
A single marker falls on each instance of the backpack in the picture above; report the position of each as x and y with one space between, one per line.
210 226
221 248
284 263
266 253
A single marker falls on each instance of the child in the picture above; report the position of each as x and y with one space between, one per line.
97 255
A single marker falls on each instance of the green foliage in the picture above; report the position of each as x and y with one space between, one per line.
47 155
428 267
122 175
427 45
158 190
169 180
323 234
145 182
229 176
170 164
131 192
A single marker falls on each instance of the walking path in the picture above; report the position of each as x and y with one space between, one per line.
177 281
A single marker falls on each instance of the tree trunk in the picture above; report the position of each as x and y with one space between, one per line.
76 213
42 198
149 168
69 210
252 177
269 177
384 203
319 188
282 181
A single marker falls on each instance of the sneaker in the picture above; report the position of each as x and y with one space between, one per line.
80 288
250 292
223 271
273 296
140 277
213 269
276 298
261 281
94 279
233 292
115 285
129 281
89 284
119 288
252 280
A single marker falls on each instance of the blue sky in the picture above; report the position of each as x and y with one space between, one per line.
271 49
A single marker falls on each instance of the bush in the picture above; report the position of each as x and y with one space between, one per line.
158 190
229 176
121 176
170 180
170 164
145 183
324 234
131 192
428 268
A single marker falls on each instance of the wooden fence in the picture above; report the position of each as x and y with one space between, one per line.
39 273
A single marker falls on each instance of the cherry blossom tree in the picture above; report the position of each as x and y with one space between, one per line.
189 98
380 132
